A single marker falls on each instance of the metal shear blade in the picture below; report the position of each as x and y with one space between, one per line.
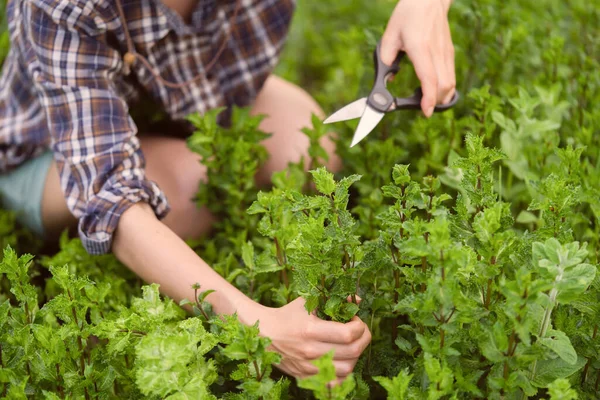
368 121
350 111
369 118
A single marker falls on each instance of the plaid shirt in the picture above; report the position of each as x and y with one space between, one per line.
64 87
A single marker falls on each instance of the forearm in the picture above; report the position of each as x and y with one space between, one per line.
156 254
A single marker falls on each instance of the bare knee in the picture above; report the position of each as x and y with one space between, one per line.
178 172
289 109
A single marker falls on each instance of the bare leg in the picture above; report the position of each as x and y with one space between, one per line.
56 217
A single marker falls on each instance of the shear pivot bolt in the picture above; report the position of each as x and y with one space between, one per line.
379 99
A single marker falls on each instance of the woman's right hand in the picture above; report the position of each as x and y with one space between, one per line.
301 338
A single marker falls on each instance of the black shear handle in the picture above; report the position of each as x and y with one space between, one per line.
414 102
380 98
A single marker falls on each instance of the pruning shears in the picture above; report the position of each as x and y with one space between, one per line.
380 101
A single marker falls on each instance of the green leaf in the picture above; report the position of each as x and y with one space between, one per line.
312 302
403 344
248 255
318 383
161 363
236 351
559 342
550 370
347 311
400 174
526 217
574 282
323 181
50 396
396 387
195 388
560 389
152 305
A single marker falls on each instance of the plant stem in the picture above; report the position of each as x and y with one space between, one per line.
257 369
368 363
509 353
252 281
278 249
198 304
27 312
500 182
281 261
546 321
81 356
509 181
488 295
58 385
548 313
442 262
587 364
4 386
396 297
482 378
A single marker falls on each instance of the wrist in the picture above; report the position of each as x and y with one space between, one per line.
249 311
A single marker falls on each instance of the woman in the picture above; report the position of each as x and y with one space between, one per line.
71 153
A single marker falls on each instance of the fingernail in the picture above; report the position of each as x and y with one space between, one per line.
429 112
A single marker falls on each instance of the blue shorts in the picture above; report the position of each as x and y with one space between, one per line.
21 190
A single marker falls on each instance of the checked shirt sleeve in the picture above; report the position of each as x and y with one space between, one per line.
98 155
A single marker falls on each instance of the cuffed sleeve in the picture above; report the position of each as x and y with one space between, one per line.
94 140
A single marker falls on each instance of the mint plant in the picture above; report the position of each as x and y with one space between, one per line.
472 237
232 157
325 250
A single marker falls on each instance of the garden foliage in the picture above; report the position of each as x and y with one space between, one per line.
472 238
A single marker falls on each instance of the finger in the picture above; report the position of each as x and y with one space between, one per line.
334 332
450 69
390 46
336 382
344 368
351 300
422 60
445 65
341 352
